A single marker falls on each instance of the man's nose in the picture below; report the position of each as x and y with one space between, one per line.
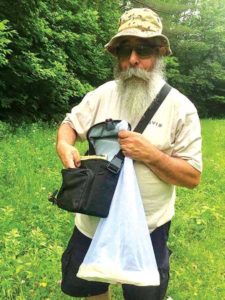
134 59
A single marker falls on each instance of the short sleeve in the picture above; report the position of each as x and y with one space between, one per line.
82 116
188 142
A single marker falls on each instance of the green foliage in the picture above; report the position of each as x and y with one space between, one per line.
5 130
52 53
198 230
201 57
57 55
5 39
34 233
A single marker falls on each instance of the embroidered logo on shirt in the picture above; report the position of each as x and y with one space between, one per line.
156 124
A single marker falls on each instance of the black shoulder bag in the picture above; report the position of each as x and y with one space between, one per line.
89 189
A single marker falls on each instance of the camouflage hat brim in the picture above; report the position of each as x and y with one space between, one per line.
143 23
159 39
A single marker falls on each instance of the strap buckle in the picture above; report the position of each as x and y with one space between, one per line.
115 165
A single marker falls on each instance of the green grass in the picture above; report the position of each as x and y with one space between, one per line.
34 233
198 236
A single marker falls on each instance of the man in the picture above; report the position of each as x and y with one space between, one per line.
168 153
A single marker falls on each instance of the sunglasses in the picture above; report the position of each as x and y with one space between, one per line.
142 50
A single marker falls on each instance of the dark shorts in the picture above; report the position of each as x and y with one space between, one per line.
77 287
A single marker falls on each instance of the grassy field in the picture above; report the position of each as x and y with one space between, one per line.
34 233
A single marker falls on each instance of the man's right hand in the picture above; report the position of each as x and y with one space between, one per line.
68 154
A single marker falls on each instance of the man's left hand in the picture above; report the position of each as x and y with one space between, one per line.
135 145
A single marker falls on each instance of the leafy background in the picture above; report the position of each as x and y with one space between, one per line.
52 53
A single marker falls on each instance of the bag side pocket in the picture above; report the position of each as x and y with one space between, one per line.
73 189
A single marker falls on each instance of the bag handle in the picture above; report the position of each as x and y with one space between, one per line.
116 163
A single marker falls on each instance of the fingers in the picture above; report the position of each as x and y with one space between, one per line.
128 138
76 158
125 153
124 141
71 158
133 144
69 155
69 163
124 134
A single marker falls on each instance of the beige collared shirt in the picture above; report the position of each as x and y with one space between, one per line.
174 129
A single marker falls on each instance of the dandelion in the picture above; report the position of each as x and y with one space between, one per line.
43 284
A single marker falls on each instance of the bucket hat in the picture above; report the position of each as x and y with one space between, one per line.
143 23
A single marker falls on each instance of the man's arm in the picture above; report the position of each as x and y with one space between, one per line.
169 169
68 154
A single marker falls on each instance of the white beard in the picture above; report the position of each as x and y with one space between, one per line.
137 88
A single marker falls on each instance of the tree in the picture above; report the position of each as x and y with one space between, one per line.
52 52
56 56
5 39
201 57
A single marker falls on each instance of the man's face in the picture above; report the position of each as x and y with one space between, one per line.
136 53
138 74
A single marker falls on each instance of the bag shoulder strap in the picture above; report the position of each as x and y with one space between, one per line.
117 161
